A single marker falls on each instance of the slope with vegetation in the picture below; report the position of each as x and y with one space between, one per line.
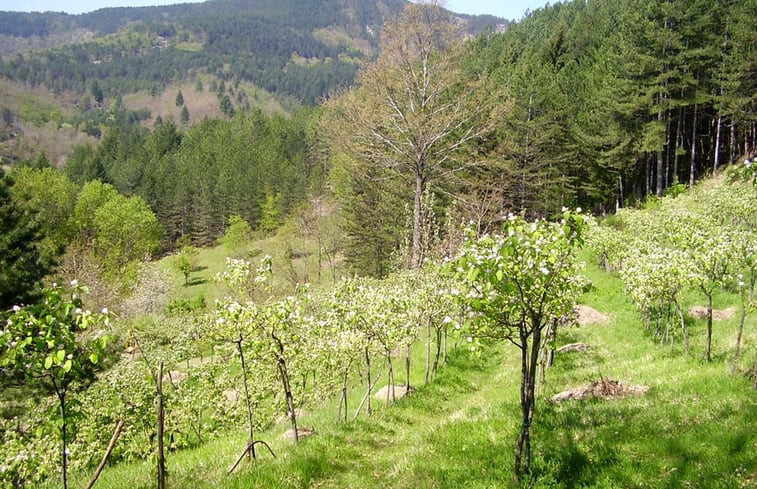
506 132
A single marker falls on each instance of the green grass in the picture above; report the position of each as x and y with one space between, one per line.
287 272
694 428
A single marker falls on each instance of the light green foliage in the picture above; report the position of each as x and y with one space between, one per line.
522 279
242 279
184 262
127 232
703 240
518 283
238 233
44 344
92 197
270 218
50 196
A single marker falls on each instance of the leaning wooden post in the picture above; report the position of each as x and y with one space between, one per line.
108 451
161 448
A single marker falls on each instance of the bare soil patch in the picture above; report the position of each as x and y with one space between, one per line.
587 315
573 347
700 312
605 389
302 432
399 392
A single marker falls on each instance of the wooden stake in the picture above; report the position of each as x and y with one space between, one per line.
108 451
161 448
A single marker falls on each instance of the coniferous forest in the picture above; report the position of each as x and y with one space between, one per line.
222 220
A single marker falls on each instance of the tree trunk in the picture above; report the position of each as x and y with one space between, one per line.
529 365
343 400
435 366
250 425
552 342
287 387
60 391
408 352
660 167
428 352
390 379
683 327
417 250
161 448
716 159
679 143
736 354
368 409
693 169
709 327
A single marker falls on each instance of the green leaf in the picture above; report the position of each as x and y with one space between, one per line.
93 358
473 274
67 366
61 355
48 362
500 275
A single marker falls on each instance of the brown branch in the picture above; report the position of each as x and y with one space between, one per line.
108 451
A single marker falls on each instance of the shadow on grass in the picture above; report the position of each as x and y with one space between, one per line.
195 281
621 442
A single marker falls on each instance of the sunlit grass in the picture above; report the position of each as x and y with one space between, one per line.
694 428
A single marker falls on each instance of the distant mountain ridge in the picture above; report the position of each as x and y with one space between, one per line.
292 48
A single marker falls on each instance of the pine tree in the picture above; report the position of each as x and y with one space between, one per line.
22 264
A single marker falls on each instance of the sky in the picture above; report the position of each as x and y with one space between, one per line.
508 9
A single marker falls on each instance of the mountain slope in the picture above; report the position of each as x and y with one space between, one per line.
261 41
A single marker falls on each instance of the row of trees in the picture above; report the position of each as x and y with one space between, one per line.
619 99
516 286
286 352
702 240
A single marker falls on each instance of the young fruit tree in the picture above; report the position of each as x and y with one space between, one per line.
518 283
46 344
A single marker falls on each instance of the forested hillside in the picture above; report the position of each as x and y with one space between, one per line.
597 104
298 49
192 286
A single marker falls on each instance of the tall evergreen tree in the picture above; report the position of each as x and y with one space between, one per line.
22 264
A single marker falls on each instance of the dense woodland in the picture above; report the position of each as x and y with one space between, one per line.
593 104
601 105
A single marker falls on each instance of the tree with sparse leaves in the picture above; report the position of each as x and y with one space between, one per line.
414 110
